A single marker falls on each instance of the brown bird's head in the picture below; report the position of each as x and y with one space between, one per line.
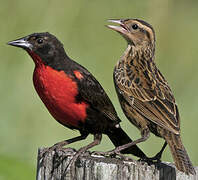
45 45
136 32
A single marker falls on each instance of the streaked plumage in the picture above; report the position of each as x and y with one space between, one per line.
143 92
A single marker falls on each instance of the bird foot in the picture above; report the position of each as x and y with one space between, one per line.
112 154
57 147
152 160
98 153
108 153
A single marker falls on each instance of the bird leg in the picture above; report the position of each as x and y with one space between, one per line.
97 140
145 135
59 145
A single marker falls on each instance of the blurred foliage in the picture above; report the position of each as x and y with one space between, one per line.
25 123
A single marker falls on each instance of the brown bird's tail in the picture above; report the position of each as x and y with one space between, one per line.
180 156
118 137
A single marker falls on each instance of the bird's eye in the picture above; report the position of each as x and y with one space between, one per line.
39 41
134 26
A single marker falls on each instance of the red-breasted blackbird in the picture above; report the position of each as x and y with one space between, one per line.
72 94
143 92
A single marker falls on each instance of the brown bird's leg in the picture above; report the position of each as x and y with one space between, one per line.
145 133
118 137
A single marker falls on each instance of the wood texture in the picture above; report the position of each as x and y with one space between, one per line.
53 166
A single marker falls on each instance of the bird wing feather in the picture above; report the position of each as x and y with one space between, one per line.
99 100
152 98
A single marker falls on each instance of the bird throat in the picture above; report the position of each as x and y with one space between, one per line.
136 57
135 62
36 58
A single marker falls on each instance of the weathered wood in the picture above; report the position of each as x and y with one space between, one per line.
53 166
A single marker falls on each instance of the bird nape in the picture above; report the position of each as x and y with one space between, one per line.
72 95
144 94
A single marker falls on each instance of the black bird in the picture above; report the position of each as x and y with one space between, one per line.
71 94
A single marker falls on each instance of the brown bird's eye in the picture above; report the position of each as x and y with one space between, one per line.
39 41
134 26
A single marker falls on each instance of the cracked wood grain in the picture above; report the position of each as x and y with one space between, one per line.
53 166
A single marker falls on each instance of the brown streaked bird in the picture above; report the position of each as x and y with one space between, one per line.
144 94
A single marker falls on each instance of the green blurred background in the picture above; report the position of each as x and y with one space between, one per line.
25 123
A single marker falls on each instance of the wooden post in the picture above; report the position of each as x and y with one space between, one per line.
53 166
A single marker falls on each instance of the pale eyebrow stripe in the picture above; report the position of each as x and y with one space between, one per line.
148 28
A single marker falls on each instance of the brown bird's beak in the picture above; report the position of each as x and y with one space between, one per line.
123 29
22 43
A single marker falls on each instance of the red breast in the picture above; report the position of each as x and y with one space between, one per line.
58 90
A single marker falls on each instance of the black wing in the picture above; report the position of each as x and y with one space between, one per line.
93 93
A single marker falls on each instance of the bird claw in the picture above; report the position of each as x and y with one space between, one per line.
152 160
112 154
55 147
99 153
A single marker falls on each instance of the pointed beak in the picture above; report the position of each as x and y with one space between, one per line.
123 29
22 43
